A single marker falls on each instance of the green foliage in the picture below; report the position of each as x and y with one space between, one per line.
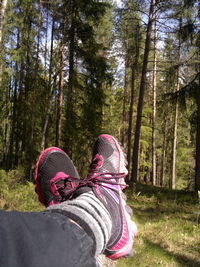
104 38
16 193
33 74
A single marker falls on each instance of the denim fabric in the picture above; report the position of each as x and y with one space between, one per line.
43 239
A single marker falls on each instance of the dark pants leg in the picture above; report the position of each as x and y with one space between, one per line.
43 239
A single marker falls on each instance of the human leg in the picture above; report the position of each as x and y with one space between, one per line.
98 204
45 239
30 239
54 179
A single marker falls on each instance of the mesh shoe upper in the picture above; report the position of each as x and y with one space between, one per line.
56 180
53 176
108 171
108 156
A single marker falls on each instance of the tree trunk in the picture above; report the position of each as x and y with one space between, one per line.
12 131
69 109
174 147
2 16
197 167
141 96
123 132
32 145
51 92
60 94
163 160
46 41
175 125
7 121
154 106
134 70
19 114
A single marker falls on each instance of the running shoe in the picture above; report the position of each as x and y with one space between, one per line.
106 176
55 175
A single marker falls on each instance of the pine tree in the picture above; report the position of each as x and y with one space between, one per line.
154 94
141 96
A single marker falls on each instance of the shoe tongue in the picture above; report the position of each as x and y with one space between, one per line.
80 191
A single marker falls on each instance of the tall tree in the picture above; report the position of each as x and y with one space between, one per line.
71 80
134 71
50 90
2 19
2 15
174 138
60 95
142 91
197 165
125 97
154 89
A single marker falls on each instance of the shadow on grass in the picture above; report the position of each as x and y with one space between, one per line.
181 259
184 220
179 196
150 214
155 212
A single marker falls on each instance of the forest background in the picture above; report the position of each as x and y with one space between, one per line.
71 70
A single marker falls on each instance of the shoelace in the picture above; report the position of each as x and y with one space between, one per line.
92 180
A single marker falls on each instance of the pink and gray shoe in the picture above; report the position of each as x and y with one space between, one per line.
55 175
106 177
57 180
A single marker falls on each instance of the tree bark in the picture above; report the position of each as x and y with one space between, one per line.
12 130
141 95
46 42
2 16
134 70
163 159
31 156
174 147
197 167
20 112
69 108
51 92
154 106
60 95
175 125
123 132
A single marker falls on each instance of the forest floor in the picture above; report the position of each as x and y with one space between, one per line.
168 224
168 231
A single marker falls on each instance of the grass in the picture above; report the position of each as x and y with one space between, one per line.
168 222
169 231
16 193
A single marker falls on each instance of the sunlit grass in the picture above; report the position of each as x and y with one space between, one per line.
169 233
169 229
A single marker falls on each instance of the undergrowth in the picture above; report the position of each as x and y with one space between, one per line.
16 193
168 228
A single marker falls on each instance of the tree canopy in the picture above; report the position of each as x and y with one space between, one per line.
71 70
